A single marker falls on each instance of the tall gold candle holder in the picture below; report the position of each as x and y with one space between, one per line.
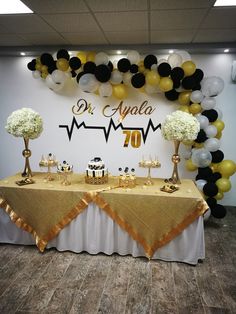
149 163
49 162
175 159
27 153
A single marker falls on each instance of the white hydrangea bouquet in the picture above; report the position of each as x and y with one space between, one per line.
178 127
28 124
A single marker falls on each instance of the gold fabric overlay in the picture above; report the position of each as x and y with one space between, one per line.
151 217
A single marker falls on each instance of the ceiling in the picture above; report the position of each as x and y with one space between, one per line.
147 25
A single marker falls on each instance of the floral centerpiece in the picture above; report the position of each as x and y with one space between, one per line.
178 127
28 124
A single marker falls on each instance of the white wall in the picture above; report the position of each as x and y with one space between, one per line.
19 89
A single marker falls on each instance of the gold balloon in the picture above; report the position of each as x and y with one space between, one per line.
188 143
141 68
82 56
195 108
153 78
227 168
44 69
190 166
119 91
44 75
90 56
198 145
223 184
219 124
189 68
38 66
219 135
214 167
184 108
184 98
166 84
219 196
62 64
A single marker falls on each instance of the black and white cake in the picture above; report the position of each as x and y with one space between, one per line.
96 172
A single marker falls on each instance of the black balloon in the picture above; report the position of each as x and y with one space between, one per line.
164 69
75 63
210 189
89 67
172 95
79 76
201 137
198 75
211 201
63 53
205 173
217 156
219 211
133 68
177 73
102 73
123 65
196 87
110 65
52 67
31 65
176 83
188 82
73 73
214 177
138 80
211 114
149 60
46 59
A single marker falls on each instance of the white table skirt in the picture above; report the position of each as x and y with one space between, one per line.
94 231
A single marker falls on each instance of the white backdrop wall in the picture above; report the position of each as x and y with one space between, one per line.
19 89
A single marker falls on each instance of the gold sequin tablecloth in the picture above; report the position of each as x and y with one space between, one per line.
150 216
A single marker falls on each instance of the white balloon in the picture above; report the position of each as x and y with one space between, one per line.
101 58
212 86
210 131
187 154
105 90
212 144
52 85
36 74
207 215
133 56
208 103
220 114
184 54
127 78
162 60
116 77
154 67
150 89
196 96
58 76
174 60
201 157
204 122
88 83
200 184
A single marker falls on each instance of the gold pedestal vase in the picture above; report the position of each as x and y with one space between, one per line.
175 159
27 153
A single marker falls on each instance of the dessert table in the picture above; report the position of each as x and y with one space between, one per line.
142 221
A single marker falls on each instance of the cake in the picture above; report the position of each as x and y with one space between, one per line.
96 172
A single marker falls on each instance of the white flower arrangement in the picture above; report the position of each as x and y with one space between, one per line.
25 123
180 126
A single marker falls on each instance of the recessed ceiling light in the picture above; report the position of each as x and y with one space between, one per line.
224 3
171 51
13 7
118 52
226 50
22 53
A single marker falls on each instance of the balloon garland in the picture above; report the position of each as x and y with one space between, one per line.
179 80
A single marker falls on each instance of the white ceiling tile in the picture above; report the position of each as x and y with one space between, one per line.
172 36
215 35
24 23
123 21
56 6
114 5
225 18
12 40
127 37
86 38
41 39
71 22
181 4
176 19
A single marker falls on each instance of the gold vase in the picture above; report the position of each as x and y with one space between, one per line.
27 153
176 159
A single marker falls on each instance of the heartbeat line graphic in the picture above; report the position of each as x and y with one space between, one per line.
107 130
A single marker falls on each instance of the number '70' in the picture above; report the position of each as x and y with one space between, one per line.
133 137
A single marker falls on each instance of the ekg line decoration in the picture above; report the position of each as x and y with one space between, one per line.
106 131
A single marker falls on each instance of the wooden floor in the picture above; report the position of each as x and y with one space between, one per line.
54 282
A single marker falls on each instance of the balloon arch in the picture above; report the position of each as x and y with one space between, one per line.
178 78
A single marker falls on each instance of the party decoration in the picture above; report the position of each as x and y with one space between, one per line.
28 124
149 163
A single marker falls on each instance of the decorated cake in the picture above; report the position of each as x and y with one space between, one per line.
96 172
